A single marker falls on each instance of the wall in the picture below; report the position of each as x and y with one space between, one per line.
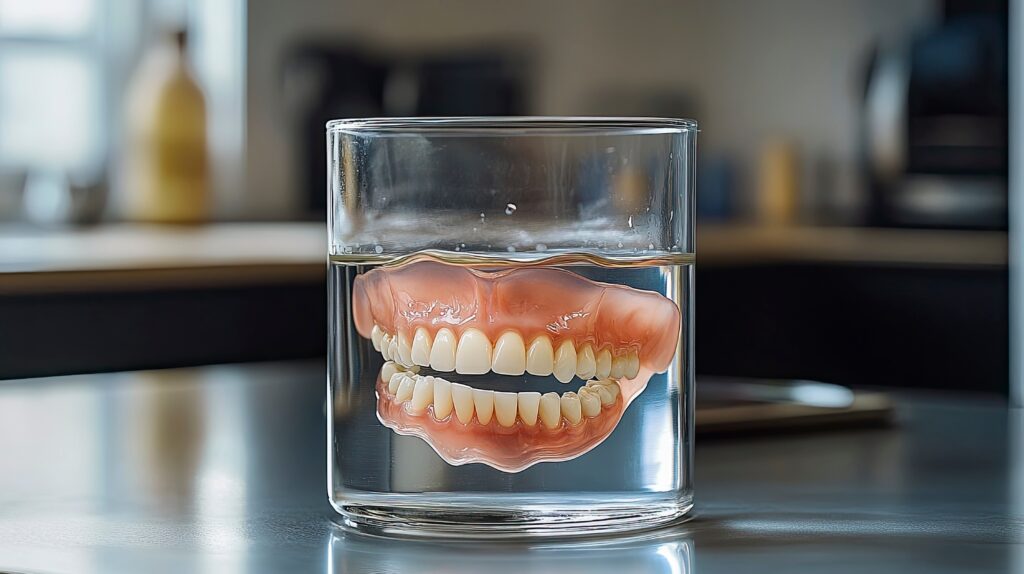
757 69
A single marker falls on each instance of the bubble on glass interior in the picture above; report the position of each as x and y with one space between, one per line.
510 209
409 231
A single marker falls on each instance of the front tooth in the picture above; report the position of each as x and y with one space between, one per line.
442 398
509 354
571 408
442 354
385 346
473 356
550 410
405 388
529 403
604 364
388 369
590 402
586 364
422 394
540 359
375 336
404 350
632 366
483 401
618 367
462 396
565 361
394 381
421 343
505 408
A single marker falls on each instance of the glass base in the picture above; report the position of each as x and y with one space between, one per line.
513 521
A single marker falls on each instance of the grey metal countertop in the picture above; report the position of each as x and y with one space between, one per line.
222 469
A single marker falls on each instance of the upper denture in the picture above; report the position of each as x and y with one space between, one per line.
536 320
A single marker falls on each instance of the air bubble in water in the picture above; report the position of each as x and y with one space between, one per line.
510 209
650 246
378 249
629 222
511 249
620 245
542 247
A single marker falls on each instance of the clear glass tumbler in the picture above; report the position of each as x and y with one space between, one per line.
511 338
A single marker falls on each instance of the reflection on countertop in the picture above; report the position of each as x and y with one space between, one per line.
222 469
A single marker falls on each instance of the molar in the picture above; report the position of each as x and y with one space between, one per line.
473 355
590 402
375 336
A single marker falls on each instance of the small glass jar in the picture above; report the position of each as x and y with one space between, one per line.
510 332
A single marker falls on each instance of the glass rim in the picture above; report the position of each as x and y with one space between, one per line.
512 125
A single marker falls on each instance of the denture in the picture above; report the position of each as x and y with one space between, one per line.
542 321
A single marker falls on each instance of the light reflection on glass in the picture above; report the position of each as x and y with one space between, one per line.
665 552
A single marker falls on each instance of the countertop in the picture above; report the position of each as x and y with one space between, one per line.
222 469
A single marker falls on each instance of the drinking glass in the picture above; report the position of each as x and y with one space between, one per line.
510 332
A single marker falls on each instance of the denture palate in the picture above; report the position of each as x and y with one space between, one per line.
473 353
417 393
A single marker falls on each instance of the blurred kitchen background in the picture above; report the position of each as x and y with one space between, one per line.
162 169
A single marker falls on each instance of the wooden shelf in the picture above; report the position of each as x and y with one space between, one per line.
731 245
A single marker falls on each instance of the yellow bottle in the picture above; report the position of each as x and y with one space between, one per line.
166 172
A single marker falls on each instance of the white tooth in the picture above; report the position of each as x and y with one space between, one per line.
632 365
509 354
473 356
505 408
590 402
385 346
540 359
571 408
483 401
586 364
550 410
405 389
422 394
442 354
604 364
388 369
375 336
442 398
618 367
404 350
606 396
565 361
421 343
529 403
614 389
393 350
462 396
394 381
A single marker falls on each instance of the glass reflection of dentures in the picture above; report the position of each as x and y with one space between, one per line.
541 321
